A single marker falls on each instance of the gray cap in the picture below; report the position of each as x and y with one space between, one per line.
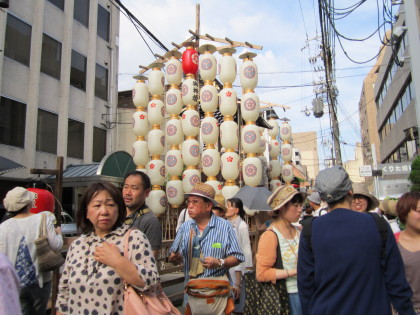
333 183
315 198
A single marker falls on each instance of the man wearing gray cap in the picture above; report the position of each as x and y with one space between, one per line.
315 202
343 267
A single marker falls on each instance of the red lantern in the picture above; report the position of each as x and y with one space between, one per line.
44 200
190 59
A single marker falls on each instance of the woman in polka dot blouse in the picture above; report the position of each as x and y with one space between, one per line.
92 279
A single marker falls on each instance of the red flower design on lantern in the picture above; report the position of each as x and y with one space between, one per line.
141 116
219 187
152 166
228 93
277 184
153 105
183 116
229 159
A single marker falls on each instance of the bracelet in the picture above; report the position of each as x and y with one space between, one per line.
287 273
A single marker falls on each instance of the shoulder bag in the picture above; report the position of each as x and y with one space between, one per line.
266 298
151 303
48 259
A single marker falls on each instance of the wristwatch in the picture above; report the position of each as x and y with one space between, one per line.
221 263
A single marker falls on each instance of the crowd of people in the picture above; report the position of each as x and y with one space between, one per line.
335 255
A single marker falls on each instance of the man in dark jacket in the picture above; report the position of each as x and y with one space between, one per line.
346 266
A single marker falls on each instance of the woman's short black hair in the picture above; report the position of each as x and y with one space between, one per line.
237 203
81 217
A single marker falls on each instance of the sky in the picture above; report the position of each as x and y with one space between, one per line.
289 32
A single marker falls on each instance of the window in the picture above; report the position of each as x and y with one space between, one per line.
51 57
75 139
103 23
58 3
78 70
12 122
17 43
99 144
46 132
81 11
101 82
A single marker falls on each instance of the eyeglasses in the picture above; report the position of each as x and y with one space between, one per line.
359 198
192 202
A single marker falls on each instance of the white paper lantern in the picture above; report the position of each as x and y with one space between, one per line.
156 111
175 192
210 160
156 79
209 98
140 152
229 163
173 101
285 131
229 134
190 91
140 123
250 139
287 172
228 102
191 152
209 130
252 171
229 191
274 168
274 149
156 142
286 152
227 65
248 75
156 172
216 186
190 178
273 133
250 106
174 71
207 63
157 201
274 184
140 94
173 163
174 135
263 145
190 123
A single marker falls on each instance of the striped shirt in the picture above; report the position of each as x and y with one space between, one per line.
220 242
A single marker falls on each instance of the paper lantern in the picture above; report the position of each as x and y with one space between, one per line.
173 101
190 59
156 201
173 163
175 192
190 91
248 72
140 123
263 144
173 67
287 172
274 149
252 171
286 152
273 133
140 92
285 131
156 79
156 142
190 123
229 134
228 191
44 200
250 138
156 111
209 98
217 186
140 153
274 184
230 165
210 161
227 65
207 64
156 172
174 135
228 101
209 130
249 212
191 152
190 178
274 168
250 106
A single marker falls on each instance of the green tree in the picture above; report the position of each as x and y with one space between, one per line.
414 176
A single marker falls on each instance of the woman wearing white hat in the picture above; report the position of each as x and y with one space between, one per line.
363 201
17 236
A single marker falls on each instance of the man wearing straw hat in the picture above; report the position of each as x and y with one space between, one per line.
345 266
209 247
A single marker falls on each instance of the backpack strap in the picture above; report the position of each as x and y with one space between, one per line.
382 226
307 232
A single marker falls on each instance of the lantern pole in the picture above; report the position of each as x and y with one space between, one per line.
197 24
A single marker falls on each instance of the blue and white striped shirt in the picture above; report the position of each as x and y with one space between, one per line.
220 242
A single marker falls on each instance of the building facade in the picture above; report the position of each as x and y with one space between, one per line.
307 152
58 82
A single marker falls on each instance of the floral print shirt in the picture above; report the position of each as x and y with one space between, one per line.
90 287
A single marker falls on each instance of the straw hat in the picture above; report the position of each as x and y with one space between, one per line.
281 196
361 189
203 190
